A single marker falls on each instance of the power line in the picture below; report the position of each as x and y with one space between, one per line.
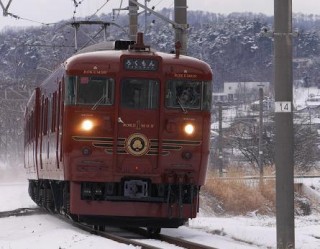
27 19
98 10
76 5
121 2
46 45
6 13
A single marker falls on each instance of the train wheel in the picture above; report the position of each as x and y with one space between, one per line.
99 228
153 231
49 200
32 191
37 194
66 199
42 197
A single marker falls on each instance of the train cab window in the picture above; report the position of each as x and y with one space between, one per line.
207 96
93 90
188 94
139 93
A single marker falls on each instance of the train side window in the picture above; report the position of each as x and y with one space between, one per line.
207 96
95 90
89 90
139 93
70 90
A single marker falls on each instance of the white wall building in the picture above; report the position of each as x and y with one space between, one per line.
236 90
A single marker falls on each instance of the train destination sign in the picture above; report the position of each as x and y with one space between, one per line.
136 64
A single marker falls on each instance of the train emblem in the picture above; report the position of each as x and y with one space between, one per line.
137 144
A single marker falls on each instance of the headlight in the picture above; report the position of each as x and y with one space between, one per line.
189 129
87 125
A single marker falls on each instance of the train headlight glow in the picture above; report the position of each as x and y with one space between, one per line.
87 125
189 129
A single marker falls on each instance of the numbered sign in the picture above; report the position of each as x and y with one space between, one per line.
283 106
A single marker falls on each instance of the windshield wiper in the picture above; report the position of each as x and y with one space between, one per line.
181 106
98 102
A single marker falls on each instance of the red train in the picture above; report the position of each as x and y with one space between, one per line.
119 134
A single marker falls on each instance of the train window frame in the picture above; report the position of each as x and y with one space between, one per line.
46 116
54 112
78 87
145 89
207 96
187 94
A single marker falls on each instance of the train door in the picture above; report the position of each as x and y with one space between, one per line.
138 126
40 138
36 124
58 124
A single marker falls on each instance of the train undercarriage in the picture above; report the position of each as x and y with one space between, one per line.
54 196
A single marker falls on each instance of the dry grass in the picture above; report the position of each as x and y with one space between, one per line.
239 195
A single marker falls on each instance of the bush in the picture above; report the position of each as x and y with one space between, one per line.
238 195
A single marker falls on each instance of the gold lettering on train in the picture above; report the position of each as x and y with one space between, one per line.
185 75
99 72
138 125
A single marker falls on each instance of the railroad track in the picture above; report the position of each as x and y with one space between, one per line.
130 236
171 240
22 212
127 236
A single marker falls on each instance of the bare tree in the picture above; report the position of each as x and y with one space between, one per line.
243 136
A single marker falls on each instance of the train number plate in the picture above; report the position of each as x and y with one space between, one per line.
135 189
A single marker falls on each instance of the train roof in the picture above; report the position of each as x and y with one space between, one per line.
108 45
107 55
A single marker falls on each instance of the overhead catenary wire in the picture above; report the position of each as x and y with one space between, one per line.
119 10
6 13
76 5
27 19
107 1
18 17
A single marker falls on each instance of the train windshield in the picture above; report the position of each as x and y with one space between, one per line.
90 90
188 94
139 93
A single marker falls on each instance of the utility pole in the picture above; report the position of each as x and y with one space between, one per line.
146 16
133 20
260 131
177 26
180 17
5 8
220 141
284 124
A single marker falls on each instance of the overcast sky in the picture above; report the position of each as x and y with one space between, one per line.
48 11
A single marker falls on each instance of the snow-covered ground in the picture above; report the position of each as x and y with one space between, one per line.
46 231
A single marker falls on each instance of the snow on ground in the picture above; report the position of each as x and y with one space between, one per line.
46 231
21 200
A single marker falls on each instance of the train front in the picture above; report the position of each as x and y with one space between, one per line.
136 136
